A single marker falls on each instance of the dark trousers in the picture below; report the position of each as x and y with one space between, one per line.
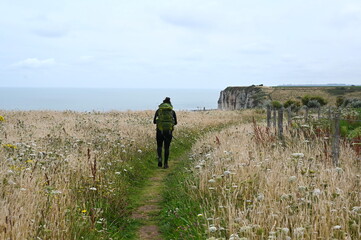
163 137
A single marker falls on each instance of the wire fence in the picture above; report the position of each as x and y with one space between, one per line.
275 119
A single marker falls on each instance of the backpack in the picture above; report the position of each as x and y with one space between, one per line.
165 121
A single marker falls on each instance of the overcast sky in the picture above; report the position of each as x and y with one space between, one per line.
179 43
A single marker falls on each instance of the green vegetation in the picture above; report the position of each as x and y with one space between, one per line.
350 126
340 91
295 105
313 101
178 218
108 213
276 104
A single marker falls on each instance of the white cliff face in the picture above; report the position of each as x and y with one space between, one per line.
235 98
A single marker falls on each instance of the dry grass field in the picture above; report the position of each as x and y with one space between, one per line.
65 174
254 187
330 94
61 173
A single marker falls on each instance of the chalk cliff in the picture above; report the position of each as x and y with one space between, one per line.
234 98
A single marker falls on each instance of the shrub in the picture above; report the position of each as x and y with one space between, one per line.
313 104
354 103
295 105
276 104
339 101
307 99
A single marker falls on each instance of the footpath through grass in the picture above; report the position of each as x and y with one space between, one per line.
149 203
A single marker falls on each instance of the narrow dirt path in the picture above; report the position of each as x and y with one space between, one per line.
149 205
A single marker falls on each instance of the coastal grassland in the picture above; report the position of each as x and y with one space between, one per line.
72 175
246 184
180 208
330 94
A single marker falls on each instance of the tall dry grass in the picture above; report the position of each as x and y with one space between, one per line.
48 160
253 186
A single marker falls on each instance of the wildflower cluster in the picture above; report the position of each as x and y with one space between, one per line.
257 191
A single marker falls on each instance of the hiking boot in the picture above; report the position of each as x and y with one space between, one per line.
159 162
165 166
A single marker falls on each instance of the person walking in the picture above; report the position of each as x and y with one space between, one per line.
165 119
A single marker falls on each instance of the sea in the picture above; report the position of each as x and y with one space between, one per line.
105 99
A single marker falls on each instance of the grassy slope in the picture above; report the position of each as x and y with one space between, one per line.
283 94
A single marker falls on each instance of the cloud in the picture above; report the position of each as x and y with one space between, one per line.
185 21
51 31
85 60
35 63
349 16
255 48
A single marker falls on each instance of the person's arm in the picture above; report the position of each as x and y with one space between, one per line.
155 117
175 118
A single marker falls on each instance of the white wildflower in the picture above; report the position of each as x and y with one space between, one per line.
211 181
212 229
117 173
140 151
316 192
299 231
260 196
337 227
226 173
93 189
245 229
11 182
234 237
339 191
198 167
200 215
292 179
56 192
302 188
339 170
356 209
285 230
297 155
22 189
284 196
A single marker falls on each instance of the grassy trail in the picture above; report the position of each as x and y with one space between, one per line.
149 206
149 200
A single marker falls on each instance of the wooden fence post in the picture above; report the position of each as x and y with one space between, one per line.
289 116
280 123
274 118
269 113
329 113
319 113
306 114
336 139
